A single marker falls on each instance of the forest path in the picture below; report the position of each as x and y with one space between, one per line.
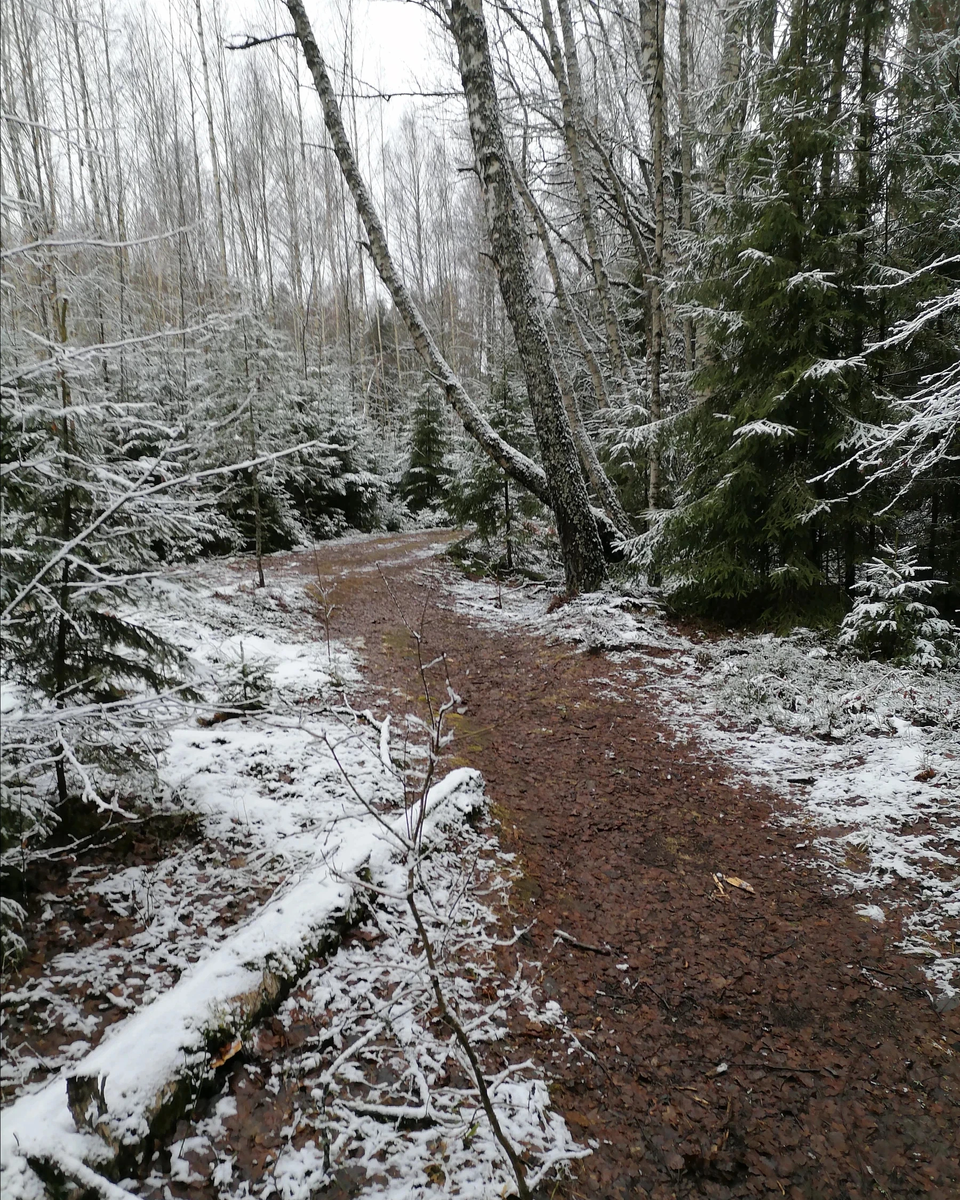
735 1044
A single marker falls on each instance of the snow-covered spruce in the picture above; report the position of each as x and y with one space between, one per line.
891 618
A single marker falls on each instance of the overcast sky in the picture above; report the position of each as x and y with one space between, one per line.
397 45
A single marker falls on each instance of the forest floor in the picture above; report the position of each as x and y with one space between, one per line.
739 1013
731 1043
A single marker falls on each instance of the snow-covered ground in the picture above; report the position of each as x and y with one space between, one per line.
162 965
301 807
869 753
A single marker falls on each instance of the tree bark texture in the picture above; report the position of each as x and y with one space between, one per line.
576 526
686 173
653 32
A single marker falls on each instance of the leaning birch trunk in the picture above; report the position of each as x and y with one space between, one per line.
576 527
520 468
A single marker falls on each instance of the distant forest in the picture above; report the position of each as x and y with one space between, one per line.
740 229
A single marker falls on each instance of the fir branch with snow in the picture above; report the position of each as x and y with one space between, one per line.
891 619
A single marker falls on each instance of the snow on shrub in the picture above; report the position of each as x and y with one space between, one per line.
796 685
890 619
244 681
12 945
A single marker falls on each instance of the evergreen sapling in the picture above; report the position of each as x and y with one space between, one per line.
891 619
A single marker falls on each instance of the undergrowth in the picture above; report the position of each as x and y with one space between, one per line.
801 685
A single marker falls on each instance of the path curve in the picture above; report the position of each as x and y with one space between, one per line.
730 1045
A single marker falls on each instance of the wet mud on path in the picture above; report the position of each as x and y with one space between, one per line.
726 1044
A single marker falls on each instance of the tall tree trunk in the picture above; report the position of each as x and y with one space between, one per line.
566 70
576 527
214 157
254 454
731 107
525 472
64 598
654 21
686 175
866 124
831 157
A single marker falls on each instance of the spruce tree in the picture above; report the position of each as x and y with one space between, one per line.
238 413
762 529
82 524
891 617
333 485
916 454
424 483
481 493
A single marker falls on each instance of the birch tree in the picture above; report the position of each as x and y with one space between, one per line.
579 540
560 484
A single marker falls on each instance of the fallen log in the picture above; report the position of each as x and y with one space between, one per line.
98 1119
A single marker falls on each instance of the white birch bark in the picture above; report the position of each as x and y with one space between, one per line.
576 526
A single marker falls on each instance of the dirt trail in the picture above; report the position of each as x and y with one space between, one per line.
731 1045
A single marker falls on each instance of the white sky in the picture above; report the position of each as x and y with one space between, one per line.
397 41
397 45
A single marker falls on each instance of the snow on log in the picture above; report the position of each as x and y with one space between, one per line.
103 1111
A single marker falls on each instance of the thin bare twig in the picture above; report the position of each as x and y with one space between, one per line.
561 936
